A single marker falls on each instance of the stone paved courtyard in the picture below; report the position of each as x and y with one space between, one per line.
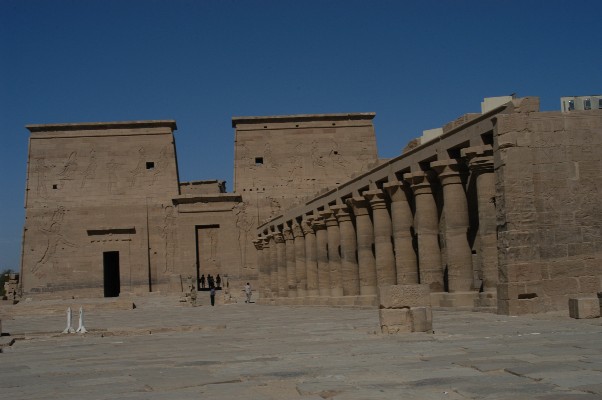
165 350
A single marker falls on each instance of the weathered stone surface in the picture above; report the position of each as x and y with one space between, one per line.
584 307
400 296
422 319
395 320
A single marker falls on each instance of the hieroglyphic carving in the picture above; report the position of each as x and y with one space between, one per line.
169 233
90 170
53 238
297 162
336 157
160 165
316 158
69 167
213 238
40 170
140 167
113 182
244 223
275 207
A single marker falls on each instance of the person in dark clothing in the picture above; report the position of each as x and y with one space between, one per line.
202 279
212 295
210 281
218 281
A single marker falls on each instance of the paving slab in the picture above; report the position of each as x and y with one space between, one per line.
163 349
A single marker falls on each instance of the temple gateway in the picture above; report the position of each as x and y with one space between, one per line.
497 211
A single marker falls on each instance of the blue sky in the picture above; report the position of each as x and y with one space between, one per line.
416 64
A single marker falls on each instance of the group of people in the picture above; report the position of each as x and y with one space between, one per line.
212 283
215 283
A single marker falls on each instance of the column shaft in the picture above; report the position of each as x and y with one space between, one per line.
426 224
401 217
455 206
291 279
481 164
334 257
322 257
281 262
349 265
311 261
383 245
300 271
365 241
273 266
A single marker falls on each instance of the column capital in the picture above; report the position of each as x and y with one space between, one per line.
376 198
306 226
278 237
359 205
266 241
297 231
449 171
329 217
258 243
480 158
341 212
287 233
395 190
318 224
420 181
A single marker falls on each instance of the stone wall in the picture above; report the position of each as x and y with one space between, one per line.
92 189
549 184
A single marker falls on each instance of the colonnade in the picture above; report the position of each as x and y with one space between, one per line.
391 233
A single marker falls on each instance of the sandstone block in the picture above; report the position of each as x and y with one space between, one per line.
584 307
395 320
422 319
400 296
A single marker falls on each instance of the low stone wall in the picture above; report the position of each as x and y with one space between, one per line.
405 308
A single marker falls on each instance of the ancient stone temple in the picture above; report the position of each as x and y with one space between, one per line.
496 211
106 212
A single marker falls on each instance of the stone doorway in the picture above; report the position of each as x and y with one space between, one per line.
207 258
110 261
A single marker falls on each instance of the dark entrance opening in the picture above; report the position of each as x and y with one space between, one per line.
110 261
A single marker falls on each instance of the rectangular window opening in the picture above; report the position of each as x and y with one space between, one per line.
258 160
587 104
150 165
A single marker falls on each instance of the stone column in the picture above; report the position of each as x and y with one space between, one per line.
455 206
267 279
311 260
349 266
334 256
273 266
481 164
401 217
426 225
261 263
383 245
322 257
300 272
365 241
281 262
291 279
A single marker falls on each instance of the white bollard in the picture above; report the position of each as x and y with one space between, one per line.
81 328
69 328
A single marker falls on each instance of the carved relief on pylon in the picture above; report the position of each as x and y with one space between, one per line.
53 239
40 171
90 170
140 167
245 223
169 235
